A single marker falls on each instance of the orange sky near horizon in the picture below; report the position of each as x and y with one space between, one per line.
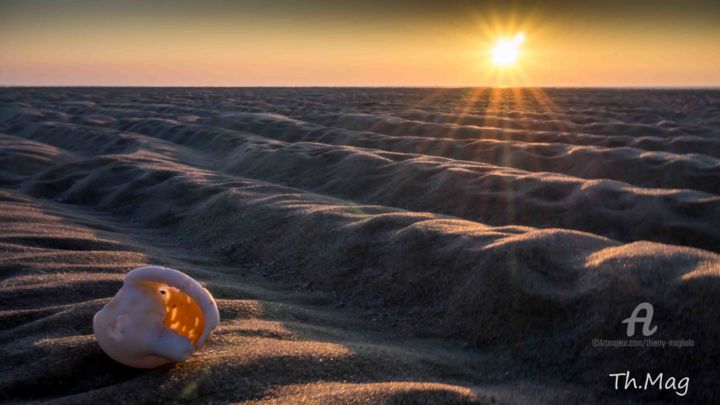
389 43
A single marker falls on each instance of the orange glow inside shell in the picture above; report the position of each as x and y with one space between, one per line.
182 313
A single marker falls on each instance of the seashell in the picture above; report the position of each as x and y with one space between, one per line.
159 316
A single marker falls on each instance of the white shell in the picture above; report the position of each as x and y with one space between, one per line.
155 317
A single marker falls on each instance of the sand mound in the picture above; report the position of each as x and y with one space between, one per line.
345 234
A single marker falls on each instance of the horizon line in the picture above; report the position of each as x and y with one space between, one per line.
649 87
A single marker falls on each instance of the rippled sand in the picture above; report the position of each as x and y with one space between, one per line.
365 244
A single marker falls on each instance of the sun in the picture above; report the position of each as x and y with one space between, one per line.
506 51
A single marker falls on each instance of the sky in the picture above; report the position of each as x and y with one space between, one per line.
361 43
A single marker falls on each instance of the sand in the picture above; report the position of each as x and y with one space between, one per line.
364 245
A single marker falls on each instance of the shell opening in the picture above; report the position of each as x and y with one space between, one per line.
182 314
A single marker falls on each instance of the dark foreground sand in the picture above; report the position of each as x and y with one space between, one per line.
364 245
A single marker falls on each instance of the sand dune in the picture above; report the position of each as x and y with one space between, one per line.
365 244
484 192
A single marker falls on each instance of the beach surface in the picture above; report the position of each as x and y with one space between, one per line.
365 245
